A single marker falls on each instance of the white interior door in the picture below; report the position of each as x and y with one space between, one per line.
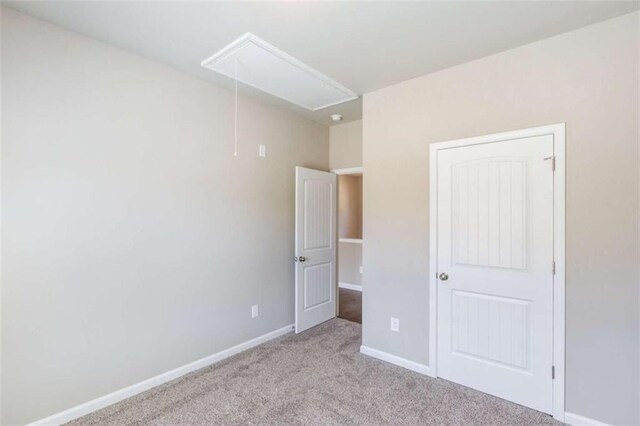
495 269
315 247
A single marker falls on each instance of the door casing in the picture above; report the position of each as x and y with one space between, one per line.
558 133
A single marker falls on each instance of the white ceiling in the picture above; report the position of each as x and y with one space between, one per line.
363 46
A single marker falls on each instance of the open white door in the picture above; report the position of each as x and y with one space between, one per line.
315 247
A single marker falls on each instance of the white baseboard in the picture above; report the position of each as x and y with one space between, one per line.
348 286
577 420
119 395
396 360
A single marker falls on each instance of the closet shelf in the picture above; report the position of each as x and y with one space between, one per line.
351 240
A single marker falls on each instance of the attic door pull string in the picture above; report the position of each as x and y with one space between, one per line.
235 123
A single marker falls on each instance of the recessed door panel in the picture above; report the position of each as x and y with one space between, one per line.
318 208
317 285
489 213
491 329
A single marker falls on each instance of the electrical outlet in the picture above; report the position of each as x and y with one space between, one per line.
361 269
395 324
254 311
262 150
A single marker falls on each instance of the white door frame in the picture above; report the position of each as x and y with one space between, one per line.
558 133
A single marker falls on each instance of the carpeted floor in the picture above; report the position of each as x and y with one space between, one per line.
317 377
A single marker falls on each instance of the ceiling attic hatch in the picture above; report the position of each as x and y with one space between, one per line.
269 69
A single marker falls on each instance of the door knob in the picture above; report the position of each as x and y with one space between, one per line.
443 276
302 259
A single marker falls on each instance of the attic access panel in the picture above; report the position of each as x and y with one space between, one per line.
277 73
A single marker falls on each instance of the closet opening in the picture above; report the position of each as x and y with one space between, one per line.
349 293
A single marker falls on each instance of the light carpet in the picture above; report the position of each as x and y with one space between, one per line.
317 377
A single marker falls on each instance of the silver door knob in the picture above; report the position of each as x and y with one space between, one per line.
443 276
302 259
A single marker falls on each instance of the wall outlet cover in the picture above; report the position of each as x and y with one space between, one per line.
254 311
262 150
395 324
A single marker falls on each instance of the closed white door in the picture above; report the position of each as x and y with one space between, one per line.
495 268
315 247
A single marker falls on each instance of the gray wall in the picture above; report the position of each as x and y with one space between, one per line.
1 393
587 78
134 242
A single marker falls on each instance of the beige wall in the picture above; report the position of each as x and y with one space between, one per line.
587 78
350 206
134 242
350 226
345 145
349 262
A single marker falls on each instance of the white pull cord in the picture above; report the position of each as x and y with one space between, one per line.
235 124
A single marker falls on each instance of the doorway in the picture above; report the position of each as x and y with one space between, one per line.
497 257
349 305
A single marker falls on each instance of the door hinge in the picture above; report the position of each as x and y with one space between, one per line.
553 162
553 267
553 372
